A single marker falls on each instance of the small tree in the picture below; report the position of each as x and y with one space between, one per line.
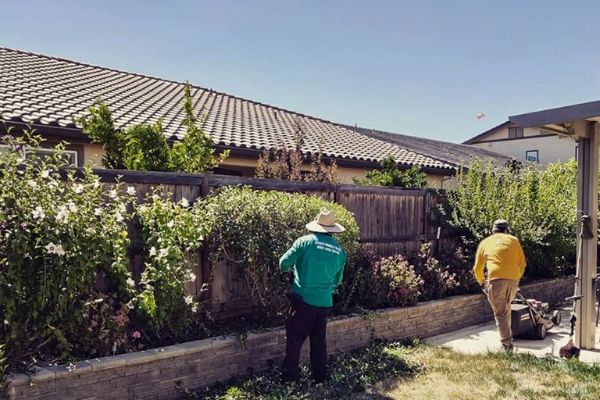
286 164
391 175
99 126
144 147
195 152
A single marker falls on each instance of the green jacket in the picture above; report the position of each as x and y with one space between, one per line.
319 267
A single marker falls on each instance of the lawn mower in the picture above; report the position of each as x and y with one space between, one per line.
531 319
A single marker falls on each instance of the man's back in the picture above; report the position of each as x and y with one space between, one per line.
503 255
319 262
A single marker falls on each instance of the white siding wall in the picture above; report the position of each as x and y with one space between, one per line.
550 148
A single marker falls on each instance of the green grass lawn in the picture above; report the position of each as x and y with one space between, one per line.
416 371
449 375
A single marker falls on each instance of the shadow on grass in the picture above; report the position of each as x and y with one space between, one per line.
351 375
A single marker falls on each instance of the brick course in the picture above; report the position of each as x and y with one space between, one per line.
153 374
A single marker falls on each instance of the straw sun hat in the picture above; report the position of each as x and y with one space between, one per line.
325 223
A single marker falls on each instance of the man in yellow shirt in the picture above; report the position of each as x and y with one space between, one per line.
504 259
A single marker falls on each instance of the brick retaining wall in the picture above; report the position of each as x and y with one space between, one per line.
152 374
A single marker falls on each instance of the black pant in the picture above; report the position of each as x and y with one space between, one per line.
305 320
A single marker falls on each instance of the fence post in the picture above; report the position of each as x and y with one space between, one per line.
205 263
337 195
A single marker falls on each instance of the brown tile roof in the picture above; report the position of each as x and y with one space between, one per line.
50 91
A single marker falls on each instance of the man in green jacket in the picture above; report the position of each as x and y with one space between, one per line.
318 263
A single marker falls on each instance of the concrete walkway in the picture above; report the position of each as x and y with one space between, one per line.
484 338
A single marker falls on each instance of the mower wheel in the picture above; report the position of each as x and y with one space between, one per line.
540 331
556 318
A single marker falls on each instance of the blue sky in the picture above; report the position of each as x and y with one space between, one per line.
423 67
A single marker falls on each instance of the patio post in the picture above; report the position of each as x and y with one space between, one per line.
587 203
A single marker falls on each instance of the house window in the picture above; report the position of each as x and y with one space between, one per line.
71 156
532 156
515 132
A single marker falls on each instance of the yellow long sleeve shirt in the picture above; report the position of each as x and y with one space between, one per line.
503 256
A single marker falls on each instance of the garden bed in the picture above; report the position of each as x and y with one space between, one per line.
155 373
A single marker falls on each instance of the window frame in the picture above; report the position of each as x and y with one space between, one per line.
537 155
515 132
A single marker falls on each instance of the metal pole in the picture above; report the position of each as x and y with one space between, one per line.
587 203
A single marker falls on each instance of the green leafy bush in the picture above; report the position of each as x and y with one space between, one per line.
356 289
391 175
539 205
252 229
170 236
437 279
56 236
396 283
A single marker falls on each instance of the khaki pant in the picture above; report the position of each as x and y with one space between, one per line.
501 293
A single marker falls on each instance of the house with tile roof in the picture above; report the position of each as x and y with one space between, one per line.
49 94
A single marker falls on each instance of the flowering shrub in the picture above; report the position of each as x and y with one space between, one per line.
252 229
396 282
438 280
459 263
170 236
104 327
56 236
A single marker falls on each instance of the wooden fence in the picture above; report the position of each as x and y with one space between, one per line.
391 220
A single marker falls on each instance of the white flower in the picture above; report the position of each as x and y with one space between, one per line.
130 190
112 194
32 184
5 322
163 253
188 299
96 184
78 188
97 211
38 213
122 208
184 202
72 207
194 308
130 282
170 224
152 251
143 209
119 217
62 215
192 277
45 174
57 249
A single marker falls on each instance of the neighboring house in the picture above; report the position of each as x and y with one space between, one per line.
49 94
526 144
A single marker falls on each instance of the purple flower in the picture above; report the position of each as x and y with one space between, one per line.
23 225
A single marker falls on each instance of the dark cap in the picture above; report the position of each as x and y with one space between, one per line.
500 224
